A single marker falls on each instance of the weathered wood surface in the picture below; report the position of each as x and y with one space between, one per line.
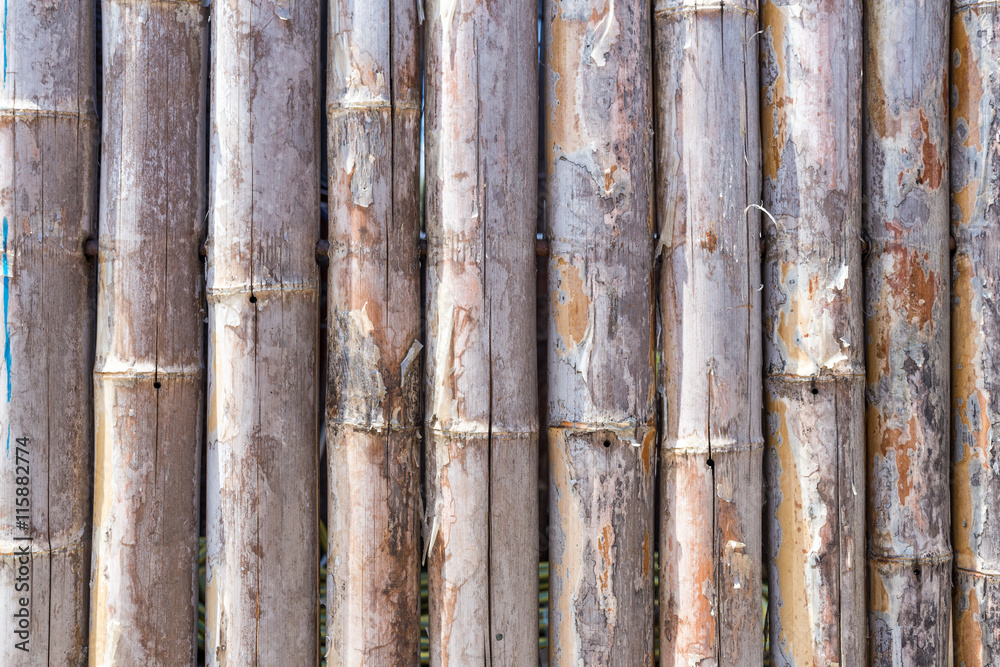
907 326
975 388
149 372
48 132
373 407
262 602
708 178
481 412
814 340
601 425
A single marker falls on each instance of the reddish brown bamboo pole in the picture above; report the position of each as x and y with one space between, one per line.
907 332
48 133
814 368
149 373
975 388
707 183
601 427
481 415
262 601
373 406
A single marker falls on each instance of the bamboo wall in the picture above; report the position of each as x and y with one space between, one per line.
572 332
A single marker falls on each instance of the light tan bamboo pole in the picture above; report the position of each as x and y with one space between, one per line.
48 133
373 407
813 364
975 388
707 183
149 373
262 573
481 415
601 425
907 332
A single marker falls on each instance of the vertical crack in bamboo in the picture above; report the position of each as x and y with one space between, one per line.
975 381
481 416
48 132
814 369
262 586
907 332
709 303
149 370
375 375
601 430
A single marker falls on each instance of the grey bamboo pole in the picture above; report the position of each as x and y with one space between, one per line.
262 573
373 407
707 183
149 372
601 425
813 364
907 332
975 381
481 419
48 133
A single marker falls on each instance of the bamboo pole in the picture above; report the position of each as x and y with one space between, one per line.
907 332
481 414
149 372
708 180
48 133
373 407
814 369
262 573
975 388
601 425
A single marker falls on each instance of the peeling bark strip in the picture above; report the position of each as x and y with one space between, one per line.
814 368
602 435
907 332
975 191
148 376
481 414
262 598
48 133
708 179
373 408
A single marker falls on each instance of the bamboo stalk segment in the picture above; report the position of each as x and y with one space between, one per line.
813 363
373 407
907 332
975 376
48 133
481 413
707 182
149 371
262 574
601 426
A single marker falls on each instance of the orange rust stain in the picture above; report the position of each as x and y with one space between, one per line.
564 128
930 174
645 555
570 305
792 560
774 116
609 177
969 629
709 241
882 439
647 450
967 80
911 286
604 543
965 199
965 390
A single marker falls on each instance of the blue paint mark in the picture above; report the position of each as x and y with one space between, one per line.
8 441
6 322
